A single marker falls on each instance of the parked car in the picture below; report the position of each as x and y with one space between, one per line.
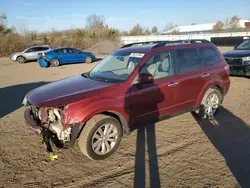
133 85
239 59
60 56
29 54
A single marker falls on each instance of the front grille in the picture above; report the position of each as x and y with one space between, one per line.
234 60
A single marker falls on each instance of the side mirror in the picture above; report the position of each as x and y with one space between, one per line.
235 46
145 78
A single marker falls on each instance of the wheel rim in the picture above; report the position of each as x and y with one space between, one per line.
55 62
212 103
88 59
20 59
104 139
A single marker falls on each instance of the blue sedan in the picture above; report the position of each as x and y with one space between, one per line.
60 56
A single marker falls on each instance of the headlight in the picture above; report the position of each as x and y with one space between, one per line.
246 58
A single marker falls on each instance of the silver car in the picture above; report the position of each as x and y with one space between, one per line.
29 54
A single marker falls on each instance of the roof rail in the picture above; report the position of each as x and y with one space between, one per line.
164 43
140 43
192 41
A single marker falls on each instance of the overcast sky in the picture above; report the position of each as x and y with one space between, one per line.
43 15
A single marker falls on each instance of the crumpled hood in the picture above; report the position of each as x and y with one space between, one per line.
64 91
237 53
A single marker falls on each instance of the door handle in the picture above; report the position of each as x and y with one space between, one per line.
205 75
173 84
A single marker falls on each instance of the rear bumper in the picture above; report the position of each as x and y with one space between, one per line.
239 70
43 63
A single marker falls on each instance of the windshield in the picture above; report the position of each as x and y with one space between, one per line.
244 45
117 66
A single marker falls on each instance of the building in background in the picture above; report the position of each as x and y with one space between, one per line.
201 28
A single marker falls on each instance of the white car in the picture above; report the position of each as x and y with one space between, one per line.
29 54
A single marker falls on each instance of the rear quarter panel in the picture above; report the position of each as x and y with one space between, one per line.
218 77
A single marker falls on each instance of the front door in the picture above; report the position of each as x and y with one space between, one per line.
150 101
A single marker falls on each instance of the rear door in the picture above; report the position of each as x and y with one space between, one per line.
211 60
64 56
192 75
75 55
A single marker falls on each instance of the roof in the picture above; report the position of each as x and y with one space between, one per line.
144 47
200 27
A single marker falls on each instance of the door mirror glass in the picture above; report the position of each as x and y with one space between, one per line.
145 78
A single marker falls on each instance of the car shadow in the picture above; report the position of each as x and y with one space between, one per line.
145 131
98 59
146 136
11 97
231 137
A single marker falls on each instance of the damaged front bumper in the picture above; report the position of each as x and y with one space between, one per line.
52 133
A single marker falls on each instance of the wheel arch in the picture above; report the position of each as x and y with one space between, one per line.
21 56
116 115
212 83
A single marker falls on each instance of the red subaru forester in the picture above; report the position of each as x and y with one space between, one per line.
134 85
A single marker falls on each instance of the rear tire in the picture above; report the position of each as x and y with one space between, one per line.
100 137
210 103
88 59
21 59
54 62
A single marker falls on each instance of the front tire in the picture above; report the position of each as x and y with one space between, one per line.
54 62
88 59
21 59
100 137
210 103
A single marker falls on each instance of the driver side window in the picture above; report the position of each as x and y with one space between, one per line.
160 65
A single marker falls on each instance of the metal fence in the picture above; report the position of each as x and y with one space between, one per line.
131 39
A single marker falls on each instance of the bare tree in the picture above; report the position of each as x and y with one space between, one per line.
154 29
218 27
234 23
22 27
137 30
226 24
95 22
4 30
170 26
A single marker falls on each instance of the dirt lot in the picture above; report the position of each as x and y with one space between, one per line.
179 152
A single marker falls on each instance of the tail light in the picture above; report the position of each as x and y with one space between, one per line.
227 69
43 55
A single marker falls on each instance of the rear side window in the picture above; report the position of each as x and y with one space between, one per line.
72 50
44 48
210 56
188 60
61 51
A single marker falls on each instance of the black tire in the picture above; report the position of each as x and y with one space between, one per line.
54 62
202 109
88 60
87 135
21 59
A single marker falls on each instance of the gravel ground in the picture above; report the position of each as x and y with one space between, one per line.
180 152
